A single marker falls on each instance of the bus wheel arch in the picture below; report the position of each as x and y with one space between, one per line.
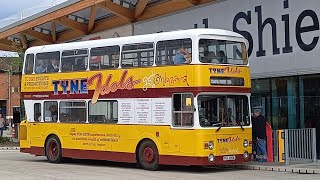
147 154
53 149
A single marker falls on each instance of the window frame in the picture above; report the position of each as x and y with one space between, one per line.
34 112
59 60
94 122
44 111
74 56
227 96
72 107
173 54
90 56
138 51
244 53
183 112
25 64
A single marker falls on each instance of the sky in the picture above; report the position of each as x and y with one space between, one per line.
10 8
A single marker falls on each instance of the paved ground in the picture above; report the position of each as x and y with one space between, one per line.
16 165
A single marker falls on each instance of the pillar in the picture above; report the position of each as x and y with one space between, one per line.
301 104
274 105
292 95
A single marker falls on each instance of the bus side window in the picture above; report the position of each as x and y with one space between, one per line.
104 57
176 51
37 112
47 62
29 63
50 111
103 112
73 111
74 60
183 109
137 55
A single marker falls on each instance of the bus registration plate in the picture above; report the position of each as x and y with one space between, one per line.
229 158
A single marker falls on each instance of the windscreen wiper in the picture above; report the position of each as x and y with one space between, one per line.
241 127
219 127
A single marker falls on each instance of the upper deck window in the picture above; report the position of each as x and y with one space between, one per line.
47 62
137 55
222 52
29 63
104 57
176 51
74 60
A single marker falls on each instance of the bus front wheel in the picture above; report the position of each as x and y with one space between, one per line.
148 155
53 150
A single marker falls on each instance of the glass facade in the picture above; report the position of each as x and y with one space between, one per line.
289 102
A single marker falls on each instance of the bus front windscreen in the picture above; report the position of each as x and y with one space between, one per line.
222 52
223 110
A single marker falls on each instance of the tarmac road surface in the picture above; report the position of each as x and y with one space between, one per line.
16 165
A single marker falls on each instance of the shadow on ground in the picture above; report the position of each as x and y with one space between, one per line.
167 168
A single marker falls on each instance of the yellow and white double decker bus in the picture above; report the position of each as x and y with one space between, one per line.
179 98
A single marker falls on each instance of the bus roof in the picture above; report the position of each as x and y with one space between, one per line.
180 34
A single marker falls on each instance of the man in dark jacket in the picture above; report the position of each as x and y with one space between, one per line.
259 134
54 66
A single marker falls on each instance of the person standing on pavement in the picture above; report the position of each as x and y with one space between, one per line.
2 125
259 135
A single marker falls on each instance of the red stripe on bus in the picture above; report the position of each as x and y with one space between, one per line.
25 150
99 155
39 151
134 93
131 157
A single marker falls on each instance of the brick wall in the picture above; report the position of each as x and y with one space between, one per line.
15 90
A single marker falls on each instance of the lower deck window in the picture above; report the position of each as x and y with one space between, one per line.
103 112
37 112
223 110
50 111
73 111
183 109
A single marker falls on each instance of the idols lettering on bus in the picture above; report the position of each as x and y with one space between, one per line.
107 87
226 70
80 86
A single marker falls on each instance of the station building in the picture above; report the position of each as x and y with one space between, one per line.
283 42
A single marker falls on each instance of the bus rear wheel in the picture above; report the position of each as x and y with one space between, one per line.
53 150
148 155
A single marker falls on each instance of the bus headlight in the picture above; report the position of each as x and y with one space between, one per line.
245 143
208 145
245 155
211 158
211 146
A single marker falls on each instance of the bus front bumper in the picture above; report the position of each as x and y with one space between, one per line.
203 161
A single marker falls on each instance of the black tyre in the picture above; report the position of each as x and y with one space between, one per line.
53 150
148 155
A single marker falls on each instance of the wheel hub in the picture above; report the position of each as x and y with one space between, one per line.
53 149
148 154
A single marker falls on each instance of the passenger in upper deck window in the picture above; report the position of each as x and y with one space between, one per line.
39 68
67 66
53 67
222 57
81 64
209 57
182 57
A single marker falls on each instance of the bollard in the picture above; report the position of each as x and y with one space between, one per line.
13 132
269 143
281 154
